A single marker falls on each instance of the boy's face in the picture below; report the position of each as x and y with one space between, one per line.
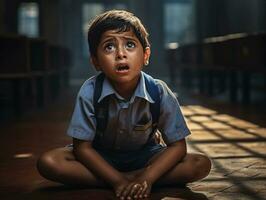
121 57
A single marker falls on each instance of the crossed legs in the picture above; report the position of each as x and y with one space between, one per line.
60 165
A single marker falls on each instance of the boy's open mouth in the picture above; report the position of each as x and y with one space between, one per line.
122 68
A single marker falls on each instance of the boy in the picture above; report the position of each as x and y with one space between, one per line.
123 153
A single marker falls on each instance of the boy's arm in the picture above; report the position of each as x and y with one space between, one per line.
86 154
173 154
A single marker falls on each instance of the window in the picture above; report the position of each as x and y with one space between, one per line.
28 19
178 20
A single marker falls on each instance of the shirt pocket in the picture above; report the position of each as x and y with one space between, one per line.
141 133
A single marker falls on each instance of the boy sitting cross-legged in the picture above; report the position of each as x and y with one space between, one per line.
117 116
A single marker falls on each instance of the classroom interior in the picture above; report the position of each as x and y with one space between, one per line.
210 53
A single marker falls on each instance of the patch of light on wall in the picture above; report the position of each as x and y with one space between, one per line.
178 21
28 19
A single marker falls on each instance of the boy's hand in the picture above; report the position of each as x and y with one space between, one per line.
141 190
120 187
137 189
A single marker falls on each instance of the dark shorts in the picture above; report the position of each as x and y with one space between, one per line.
130 161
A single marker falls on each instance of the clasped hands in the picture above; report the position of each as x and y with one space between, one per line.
129 190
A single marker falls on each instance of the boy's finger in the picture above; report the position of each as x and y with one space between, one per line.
143 191
125 193
147 193
137 194
119 191
134 190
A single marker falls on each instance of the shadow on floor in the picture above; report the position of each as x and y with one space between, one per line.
60 192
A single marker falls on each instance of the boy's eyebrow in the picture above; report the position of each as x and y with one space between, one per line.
130 37
112 38
108 39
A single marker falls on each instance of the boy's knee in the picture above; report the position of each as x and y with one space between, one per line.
202 165
45 160
47 165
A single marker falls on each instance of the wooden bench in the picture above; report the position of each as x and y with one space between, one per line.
31 71
39 63
15 71
240 56
60 62
225 64
248 59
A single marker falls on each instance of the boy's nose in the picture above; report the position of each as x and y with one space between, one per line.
121 53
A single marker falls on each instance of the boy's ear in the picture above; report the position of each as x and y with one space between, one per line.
95 63
147 53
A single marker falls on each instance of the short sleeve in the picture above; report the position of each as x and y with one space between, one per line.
83 123
171 123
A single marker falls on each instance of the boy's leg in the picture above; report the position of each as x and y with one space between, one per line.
60 165
192 168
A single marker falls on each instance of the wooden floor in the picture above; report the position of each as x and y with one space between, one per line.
233 136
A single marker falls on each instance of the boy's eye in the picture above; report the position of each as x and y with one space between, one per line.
109 47
130 45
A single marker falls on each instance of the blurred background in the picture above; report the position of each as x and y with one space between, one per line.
208 47
212 53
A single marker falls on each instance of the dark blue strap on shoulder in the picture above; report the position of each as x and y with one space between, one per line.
98 88
101 108
154 93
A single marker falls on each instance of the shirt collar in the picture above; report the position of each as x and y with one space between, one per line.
140 91
106 90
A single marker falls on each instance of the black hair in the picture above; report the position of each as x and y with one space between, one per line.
119 20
